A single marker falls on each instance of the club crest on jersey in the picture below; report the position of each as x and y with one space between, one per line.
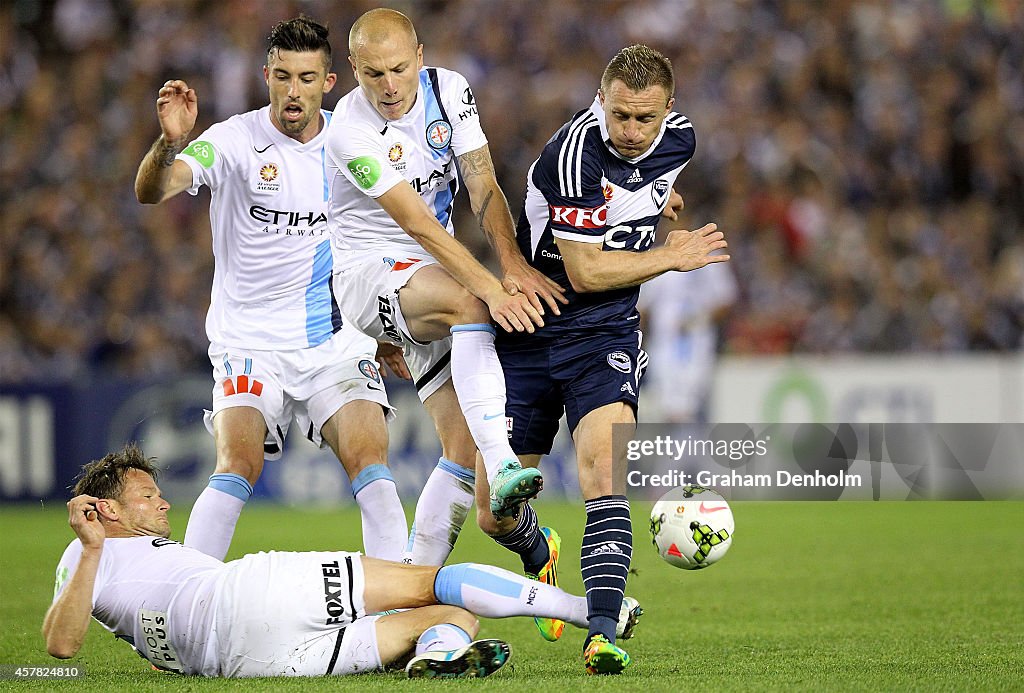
369 369
439 134
268 178
620 361
659 191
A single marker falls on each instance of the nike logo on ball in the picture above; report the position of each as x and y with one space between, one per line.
706 509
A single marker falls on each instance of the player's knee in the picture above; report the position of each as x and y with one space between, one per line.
460 449
358 459
466 309
458 616
230 461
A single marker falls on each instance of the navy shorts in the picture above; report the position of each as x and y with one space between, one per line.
546 377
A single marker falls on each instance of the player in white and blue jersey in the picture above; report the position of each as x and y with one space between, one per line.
593 202
399 142
272 613
280 347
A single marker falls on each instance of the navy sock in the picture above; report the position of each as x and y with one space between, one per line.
604 562
527 541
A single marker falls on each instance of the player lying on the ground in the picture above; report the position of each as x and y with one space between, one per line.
272 614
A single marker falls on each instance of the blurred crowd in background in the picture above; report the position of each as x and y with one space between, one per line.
865 159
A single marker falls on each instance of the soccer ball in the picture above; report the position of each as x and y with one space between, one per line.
692 527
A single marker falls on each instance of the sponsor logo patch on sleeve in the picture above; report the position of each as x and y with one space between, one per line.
202 152
366 171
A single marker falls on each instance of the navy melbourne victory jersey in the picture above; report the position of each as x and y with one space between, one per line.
581 189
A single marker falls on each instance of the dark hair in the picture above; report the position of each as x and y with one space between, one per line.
639 67
105 478
300 34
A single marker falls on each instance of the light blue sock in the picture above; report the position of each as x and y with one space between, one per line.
443 637
497 593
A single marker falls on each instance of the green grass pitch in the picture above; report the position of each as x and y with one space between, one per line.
812 596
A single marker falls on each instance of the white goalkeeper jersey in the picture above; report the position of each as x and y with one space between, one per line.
370 155
271 245
158 596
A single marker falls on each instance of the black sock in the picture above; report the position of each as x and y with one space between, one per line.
604 561
527 541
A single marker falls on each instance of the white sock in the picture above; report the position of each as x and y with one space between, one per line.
497 593
480 385
211 524
440 513
443 637
384 527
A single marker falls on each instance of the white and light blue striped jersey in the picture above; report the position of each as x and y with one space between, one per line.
271 244
370 155
581 189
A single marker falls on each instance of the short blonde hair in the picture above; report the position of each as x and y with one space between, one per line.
639 67
375 25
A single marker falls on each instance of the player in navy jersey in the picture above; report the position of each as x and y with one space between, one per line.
593 202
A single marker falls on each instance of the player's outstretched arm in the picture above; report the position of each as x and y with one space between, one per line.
160 176
495 221
67 620
690 250
411 213
592 269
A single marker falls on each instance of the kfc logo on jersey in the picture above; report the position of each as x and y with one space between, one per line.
267 181
594 218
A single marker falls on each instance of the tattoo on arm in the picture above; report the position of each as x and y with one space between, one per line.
482 214
476 163
164 151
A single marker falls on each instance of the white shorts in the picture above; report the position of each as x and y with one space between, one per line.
367 286
294 614
305 385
